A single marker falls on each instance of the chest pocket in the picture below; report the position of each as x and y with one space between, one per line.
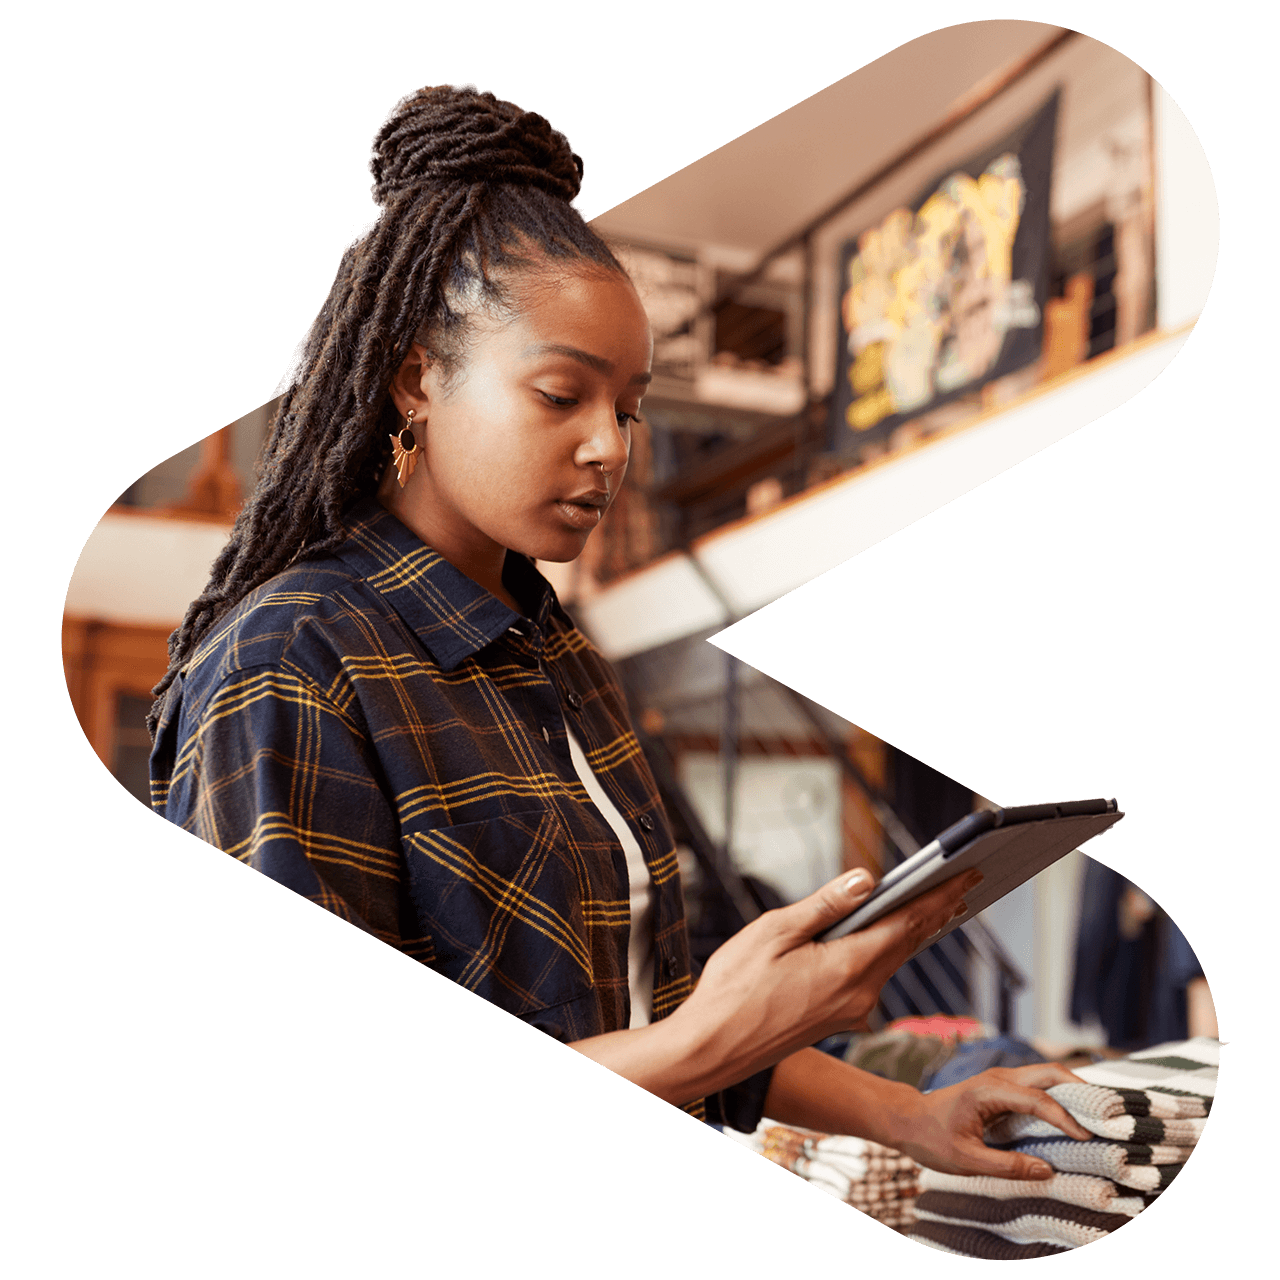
503 905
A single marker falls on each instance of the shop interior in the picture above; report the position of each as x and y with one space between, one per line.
779 439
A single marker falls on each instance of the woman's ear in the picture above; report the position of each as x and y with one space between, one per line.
408 384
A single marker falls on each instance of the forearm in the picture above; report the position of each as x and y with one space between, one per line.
816 1091
771 990
679 1058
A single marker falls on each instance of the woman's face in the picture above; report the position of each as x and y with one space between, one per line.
527 445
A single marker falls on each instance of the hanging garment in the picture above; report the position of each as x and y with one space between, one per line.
1135 986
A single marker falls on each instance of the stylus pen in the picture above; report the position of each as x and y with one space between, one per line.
917 859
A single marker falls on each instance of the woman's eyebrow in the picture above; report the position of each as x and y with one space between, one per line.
598 363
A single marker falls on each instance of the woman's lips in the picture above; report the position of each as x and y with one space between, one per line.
583 513
584 509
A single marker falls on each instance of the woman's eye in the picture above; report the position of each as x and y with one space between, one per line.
624 418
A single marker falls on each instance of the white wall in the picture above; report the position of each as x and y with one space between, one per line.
143 570
786 817
1186 217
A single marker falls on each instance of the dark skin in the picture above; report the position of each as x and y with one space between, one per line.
524 449
771 989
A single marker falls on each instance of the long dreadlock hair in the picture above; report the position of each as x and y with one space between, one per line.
471 188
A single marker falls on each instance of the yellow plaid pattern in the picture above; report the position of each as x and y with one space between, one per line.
382 735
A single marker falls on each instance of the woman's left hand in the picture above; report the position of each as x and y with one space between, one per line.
946 1132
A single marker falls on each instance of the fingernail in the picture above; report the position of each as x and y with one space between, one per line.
855 881
959 911
1041 1171
975 879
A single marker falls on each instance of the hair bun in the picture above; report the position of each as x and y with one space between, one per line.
448 135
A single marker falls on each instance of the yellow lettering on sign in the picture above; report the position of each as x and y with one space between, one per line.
867 371
866 411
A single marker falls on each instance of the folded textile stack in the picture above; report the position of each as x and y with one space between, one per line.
878 1180
943 1025
928 1053
907 1056
1147 1112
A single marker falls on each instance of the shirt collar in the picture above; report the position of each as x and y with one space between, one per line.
453 616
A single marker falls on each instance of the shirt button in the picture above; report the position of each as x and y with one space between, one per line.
546 734
671 966
646 822
574 700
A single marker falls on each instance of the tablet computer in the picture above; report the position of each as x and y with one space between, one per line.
1008 846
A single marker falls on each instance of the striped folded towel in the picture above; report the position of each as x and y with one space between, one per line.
854 1159
1147 1112
1029 1220
1089 1192
1109 1103
971 1242
1147 1130
859 1191
1163 1104
1142 1168
876 1179
1168 1081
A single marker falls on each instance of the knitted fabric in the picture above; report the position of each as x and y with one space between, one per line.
1028 1220
1170 1080
1147 1112
973 1242
878 1180
1147 1130
1147 1169
1099 1194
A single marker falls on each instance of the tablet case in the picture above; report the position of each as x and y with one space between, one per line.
1009 846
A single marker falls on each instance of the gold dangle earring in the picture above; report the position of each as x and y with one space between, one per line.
405 451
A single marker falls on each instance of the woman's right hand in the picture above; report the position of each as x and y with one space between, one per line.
772 989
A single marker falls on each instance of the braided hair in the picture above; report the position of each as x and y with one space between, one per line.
472 189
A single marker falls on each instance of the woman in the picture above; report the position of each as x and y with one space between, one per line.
378 701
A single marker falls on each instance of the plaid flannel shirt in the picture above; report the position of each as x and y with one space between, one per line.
379 733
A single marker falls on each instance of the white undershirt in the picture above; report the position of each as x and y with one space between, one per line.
640 950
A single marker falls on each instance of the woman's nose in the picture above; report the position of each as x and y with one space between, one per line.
608 445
